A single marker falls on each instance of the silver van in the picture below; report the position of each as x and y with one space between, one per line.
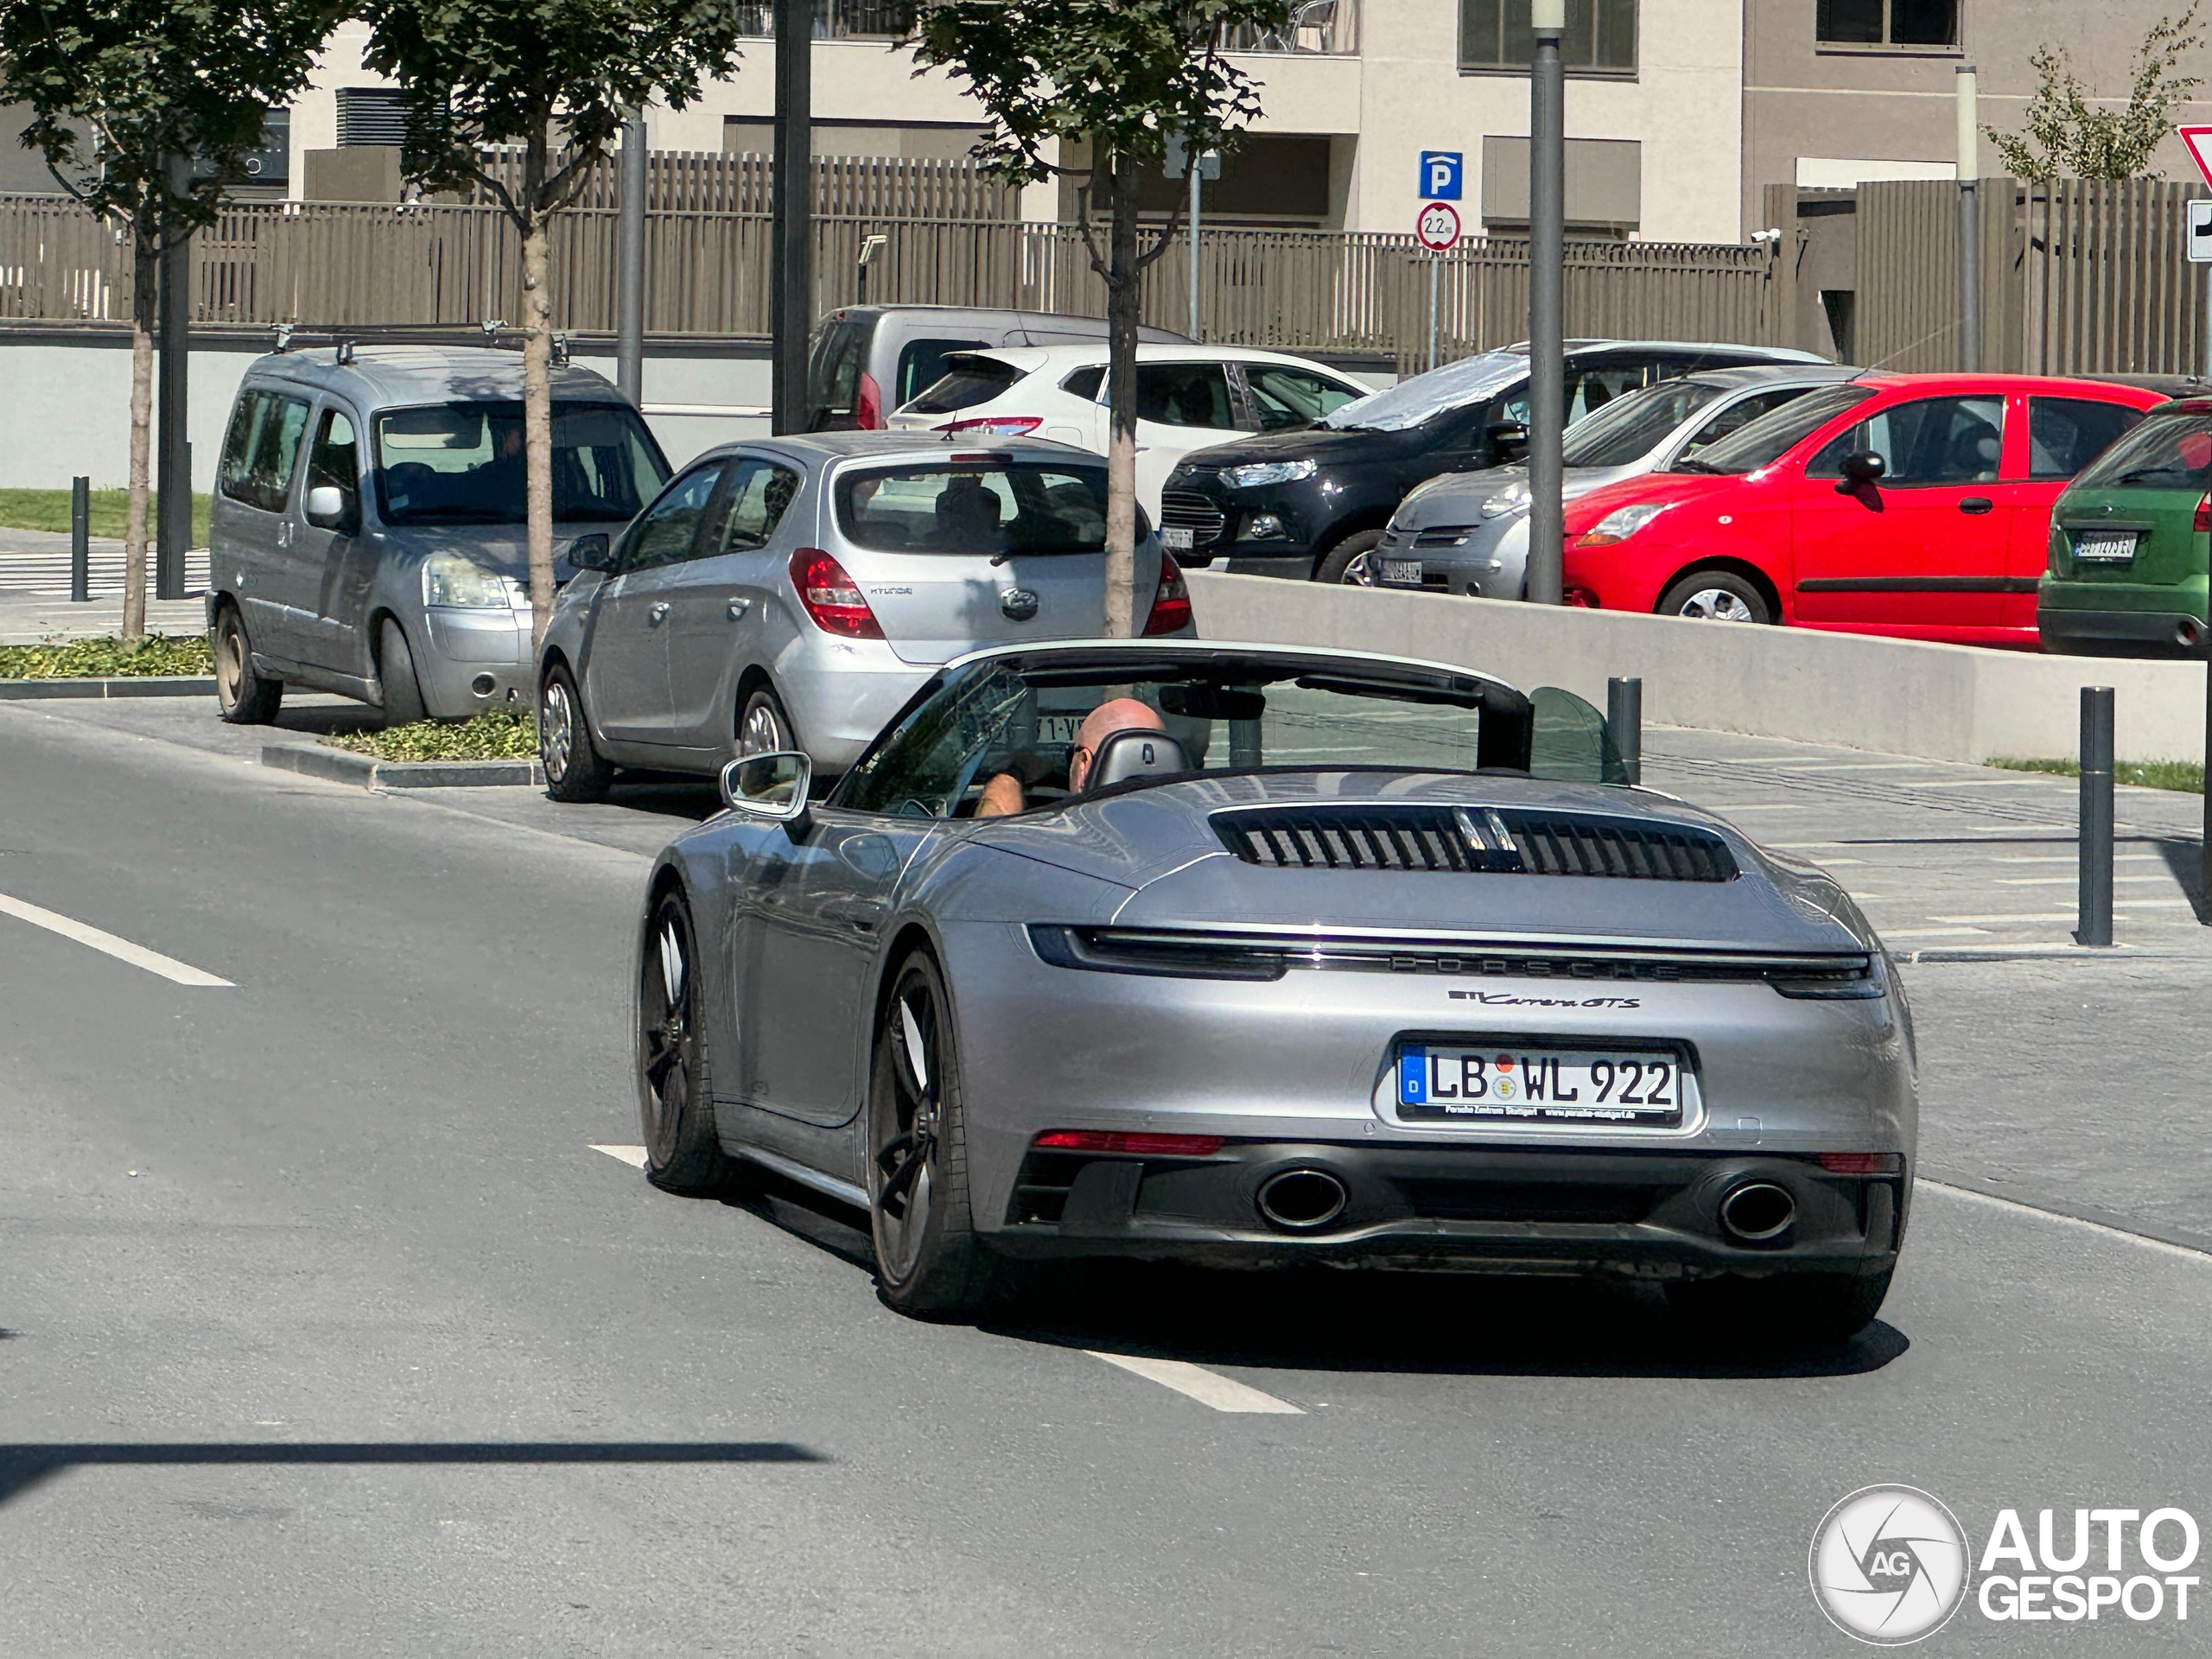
367 535
865 360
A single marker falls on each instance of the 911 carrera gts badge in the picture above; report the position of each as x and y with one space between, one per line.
1018 604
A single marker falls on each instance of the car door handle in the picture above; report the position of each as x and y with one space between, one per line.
1976 504
738 607
859 914
658 615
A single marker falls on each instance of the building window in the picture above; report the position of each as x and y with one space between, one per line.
1887 22
371 115
1600 37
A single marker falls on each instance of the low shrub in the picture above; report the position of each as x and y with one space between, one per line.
495 734
108 657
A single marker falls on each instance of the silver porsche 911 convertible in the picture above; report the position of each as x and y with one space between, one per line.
1253 956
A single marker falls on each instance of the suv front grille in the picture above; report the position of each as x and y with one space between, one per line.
1187 509
1496 840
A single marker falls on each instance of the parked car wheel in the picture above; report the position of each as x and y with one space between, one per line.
1717 596
402 692
1811 1309
928 1259
763 728
574 771
1347 561
242 696
675 1108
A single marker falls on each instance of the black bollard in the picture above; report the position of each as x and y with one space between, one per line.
81 540
1624 719
2093 916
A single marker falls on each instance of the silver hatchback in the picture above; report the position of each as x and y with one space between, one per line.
794 592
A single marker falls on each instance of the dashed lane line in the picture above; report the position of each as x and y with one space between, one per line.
121 950
1207 1387
633 1156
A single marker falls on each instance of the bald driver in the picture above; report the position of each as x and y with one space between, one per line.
1002 795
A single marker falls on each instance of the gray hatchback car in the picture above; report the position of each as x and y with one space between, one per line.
792 593
367 531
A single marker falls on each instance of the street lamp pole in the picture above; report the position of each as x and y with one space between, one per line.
630 264
1546 345
1970 222
791 287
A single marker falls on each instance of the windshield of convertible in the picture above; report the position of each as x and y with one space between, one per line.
975 503
462 464
1024 732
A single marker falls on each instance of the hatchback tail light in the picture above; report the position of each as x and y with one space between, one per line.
1171 600
833 600
996 426
868 405
2203 515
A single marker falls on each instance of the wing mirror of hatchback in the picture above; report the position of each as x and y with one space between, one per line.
328 507
772 786
592 552
1861 469
1509 442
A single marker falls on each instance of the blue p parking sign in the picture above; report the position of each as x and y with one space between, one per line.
1440 173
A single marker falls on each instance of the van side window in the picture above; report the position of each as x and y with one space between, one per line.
261 449
336 457
759 493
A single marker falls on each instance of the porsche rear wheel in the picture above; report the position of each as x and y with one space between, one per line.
674 1104
928 1259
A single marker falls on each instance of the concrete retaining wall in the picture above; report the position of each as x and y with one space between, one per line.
1945 702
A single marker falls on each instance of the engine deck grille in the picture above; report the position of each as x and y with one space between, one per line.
1494 840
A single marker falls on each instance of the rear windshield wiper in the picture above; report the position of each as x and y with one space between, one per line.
1043 550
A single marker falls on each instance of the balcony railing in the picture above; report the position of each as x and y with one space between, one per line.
1324 28
834 20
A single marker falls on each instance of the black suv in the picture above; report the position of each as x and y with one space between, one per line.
1311 503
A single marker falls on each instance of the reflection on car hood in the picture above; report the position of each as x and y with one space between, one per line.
1315 444
1159 842
1453 386
501 548
1458 497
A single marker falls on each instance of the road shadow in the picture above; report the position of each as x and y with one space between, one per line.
25 1465
1327 1319
2185 863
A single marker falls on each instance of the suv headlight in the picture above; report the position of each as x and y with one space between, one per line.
1514 497
1253 474
449 580
1621 524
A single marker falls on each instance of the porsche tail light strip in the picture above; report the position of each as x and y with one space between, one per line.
1861 1163
1127 1143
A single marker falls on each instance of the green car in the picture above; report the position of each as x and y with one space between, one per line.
2128 544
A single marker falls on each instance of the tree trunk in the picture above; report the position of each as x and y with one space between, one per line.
538 422
144 278
1124 295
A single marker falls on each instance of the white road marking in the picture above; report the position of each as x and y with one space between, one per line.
633 1156
1207 1387
1974 783
2071 858
1766 806
2011 916
1931 932
2069 880
121 950
1796 766
2157 1244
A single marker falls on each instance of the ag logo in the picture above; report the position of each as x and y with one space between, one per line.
1889 1565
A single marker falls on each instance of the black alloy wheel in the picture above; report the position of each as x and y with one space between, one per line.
1351 562
676 1108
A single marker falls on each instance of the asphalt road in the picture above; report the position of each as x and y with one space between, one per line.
328 1331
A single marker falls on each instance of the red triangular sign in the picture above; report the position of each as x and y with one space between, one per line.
2199 140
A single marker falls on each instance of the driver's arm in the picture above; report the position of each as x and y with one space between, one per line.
1001 797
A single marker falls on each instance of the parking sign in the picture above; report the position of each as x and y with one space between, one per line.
1440 173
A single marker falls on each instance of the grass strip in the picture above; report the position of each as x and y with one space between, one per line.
2185 776
49 509
494 734
108 657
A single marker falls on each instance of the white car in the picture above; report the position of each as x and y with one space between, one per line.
1188 397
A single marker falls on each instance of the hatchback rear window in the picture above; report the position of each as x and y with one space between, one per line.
2167 452
974 506
924 362
967 381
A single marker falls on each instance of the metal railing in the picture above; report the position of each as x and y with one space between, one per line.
834 20
1325 27
1328 27
340 265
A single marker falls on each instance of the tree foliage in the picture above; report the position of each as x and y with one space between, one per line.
2067 136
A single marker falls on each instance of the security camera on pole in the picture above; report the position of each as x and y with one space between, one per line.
1547 345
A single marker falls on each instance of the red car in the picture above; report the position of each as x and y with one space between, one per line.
1912 505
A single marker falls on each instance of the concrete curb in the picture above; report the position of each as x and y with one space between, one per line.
343 766
122 685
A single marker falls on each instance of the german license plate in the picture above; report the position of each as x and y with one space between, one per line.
1406 572
1639 1089
1177 538
2104 546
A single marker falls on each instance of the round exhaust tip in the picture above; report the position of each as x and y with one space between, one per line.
2187 631
1758 1212
1301 1200
483 685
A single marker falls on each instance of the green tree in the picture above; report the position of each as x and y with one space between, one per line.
555 77
144 111
1122 75
2067 136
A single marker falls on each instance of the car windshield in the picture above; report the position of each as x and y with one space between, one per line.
1410 402
2167 452
462 464
974 504
1766 440
1629 428
1039 720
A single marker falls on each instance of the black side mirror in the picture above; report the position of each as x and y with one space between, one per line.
1509 442
592 552
1860 469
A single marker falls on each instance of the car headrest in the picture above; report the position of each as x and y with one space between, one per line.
1134 752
